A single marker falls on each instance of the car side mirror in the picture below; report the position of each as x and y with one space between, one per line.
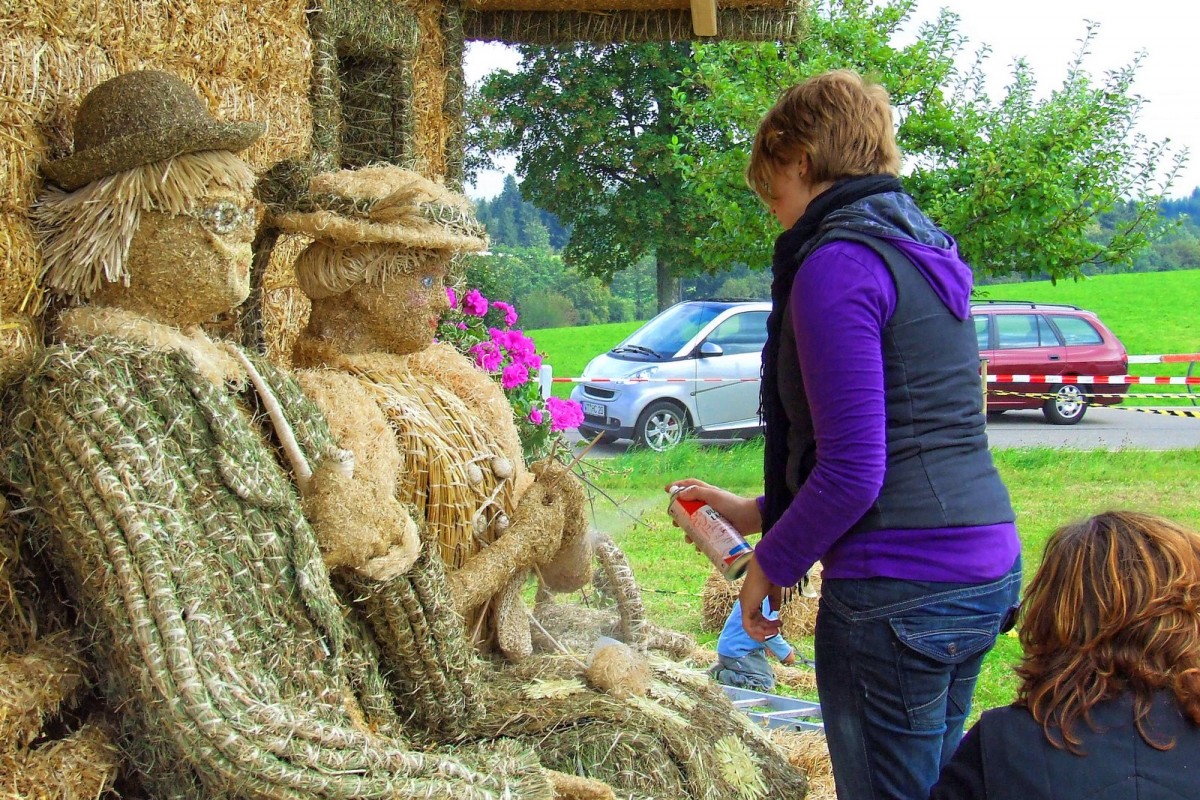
709 349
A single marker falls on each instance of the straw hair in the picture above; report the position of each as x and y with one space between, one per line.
326 270
1113 609
86 234
837 120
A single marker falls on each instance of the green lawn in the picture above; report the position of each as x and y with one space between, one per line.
1049 487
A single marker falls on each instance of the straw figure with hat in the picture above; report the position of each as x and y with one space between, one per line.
383 240
147 457
649 727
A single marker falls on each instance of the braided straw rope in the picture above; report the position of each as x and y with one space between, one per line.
218 632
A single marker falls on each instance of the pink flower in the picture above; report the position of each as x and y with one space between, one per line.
452 296
487 356
462 326
475 304
536 416
510 313
564 414
514 375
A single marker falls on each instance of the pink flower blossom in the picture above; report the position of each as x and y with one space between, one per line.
536 416
462 326
475 304
487 356
510 313
564 414
514 375
452 296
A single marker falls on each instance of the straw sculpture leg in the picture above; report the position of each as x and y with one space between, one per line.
424 649
216 628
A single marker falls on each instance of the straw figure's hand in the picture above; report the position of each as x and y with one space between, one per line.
571 566
533 537
358 526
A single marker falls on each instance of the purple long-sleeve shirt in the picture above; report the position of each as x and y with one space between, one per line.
841 300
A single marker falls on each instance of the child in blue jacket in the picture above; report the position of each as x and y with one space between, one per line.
741 661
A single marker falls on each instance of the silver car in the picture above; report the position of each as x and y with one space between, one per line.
699 364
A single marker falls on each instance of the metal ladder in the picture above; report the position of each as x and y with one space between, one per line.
775 711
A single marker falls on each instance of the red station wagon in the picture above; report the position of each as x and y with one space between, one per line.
1019 338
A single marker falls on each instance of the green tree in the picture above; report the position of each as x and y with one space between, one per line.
1020 181
593 130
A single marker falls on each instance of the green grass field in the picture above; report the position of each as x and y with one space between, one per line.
1049 488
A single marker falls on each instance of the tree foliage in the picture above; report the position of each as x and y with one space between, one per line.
512 221
593 129
1020 181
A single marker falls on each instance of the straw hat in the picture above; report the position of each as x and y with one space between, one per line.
139 118
384 203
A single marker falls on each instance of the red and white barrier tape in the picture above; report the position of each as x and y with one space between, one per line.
1173 358
1092 380
1149 380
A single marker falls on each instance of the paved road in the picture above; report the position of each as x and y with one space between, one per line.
1101 429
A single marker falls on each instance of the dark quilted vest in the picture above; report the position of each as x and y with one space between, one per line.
939 471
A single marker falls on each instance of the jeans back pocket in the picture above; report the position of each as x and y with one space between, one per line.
938 663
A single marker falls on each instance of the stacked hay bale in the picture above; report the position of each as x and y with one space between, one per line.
248 61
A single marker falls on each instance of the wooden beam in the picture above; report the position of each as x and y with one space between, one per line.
704 17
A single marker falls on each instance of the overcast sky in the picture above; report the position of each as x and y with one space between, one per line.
1046 34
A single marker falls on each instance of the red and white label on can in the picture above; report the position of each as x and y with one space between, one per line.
727 549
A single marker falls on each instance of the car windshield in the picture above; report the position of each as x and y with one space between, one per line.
662 336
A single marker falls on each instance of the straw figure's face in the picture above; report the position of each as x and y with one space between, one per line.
400 309
185 268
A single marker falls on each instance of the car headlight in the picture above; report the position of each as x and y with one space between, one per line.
644 372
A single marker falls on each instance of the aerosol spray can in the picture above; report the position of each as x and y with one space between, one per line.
728 551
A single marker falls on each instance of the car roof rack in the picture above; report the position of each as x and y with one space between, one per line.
1024 304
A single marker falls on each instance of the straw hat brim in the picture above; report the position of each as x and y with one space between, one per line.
328 226
137 149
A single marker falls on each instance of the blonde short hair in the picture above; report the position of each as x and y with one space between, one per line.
840 121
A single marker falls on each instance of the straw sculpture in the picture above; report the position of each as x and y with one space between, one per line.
218 630
383 239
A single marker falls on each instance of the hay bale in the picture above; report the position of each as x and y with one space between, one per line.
22 264
716 600
81 766
573 787
284 313
809 753
798 615
35 685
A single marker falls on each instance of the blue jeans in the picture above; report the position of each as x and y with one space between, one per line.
897 663
751 671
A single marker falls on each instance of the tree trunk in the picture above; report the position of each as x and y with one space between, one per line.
668 284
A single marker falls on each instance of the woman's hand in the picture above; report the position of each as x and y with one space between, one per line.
741 512
755 588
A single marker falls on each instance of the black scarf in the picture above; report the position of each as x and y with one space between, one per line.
791 248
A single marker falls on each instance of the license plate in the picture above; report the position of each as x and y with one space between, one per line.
594 409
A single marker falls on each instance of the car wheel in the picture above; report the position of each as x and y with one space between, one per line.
661 426
1067 406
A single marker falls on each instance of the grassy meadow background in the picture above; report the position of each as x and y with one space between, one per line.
1150 312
